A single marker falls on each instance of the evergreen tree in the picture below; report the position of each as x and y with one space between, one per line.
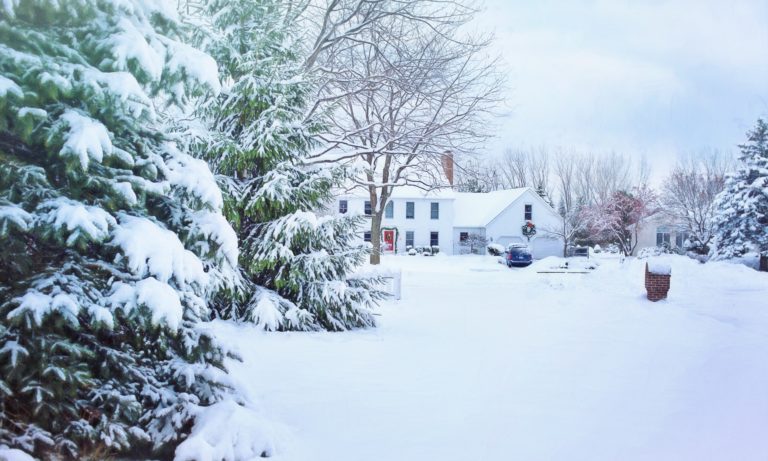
741 222
113 238
542 192
295 263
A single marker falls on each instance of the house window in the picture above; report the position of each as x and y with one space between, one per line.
389 210
343 206
434 210
680 239
463 236
409 208
662 237
528 212
367 208
433 239
367 236
409 239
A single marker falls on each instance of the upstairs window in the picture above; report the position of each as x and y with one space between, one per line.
409 210
389 210
529 212
343 205
367 208
434 210
434 239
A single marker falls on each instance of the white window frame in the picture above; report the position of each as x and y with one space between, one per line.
389 210
413 210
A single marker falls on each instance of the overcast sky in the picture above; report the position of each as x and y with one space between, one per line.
642 77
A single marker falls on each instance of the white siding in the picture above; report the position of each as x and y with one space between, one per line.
506 228
421 224
646 238
457 248
545 245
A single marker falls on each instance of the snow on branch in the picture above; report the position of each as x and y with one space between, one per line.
87 139
79 221
158 297
153 250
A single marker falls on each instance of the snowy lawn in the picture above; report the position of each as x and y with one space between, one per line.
482 362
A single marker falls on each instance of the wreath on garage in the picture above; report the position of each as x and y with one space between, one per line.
529 230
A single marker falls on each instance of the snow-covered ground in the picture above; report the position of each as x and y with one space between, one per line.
481 362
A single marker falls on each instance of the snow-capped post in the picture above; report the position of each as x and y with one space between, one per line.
657 278
397 283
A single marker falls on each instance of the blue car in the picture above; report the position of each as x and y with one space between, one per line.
518 255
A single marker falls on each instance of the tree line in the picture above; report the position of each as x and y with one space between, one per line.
607 199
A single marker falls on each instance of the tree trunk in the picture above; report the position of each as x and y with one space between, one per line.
764 263
376 238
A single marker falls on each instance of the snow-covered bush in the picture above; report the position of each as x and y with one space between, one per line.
649 252
495 249
113 238
294 263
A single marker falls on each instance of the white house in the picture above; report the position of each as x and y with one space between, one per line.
660 231
445 218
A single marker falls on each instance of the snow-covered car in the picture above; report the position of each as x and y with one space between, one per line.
518 255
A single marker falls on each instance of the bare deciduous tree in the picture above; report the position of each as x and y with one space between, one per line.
574 222
405 92
526 168
474 244
477 175
688 196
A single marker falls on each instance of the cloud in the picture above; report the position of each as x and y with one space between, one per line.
649 77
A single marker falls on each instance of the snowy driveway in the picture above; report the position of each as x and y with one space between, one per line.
480 362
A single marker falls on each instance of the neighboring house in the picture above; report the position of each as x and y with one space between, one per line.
444 218
659 231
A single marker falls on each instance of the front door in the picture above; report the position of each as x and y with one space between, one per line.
389 240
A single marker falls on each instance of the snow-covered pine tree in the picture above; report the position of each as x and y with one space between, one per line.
112 237
741 221
296 264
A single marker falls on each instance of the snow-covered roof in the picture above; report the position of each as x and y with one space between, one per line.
478 209
409 192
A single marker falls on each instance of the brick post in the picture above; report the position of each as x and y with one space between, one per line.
657 285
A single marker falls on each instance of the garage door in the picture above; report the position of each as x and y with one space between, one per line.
541 247
506 240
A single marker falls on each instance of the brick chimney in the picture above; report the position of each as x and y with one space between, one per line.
447 162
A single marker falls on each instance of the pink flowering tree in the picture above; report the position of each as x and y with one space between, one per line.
621 217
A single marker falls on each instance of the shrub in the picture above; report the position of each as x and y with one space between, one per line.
495 249
654 251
